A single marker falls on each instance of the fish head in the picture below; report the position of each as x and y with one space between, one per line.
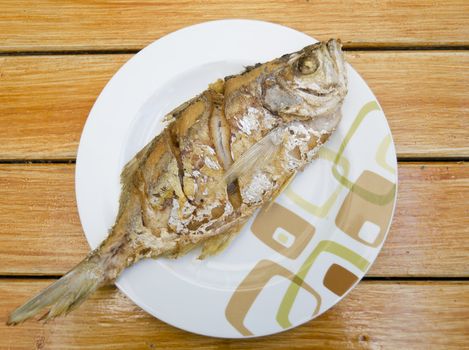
307 84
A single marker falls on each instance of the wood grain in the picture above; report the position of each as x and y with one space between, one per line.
424 96
40 233
429 235
84 25
376 315
45 100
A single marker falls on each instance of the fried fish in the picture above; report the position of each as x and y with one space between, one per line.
222 155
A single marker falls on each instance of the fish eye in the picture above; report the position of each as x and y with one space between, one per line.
307 65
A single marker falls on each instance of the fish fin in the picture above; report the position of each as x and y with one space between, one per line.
216 244
176 112
212 245
256 156
217 86
181 251
64 295
129 170
132 165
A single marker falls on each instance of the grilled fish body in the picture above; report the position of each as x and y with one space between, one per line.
223 155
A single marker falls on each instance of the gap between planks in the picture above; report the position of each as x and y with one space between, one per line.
399 159
135 51
390 279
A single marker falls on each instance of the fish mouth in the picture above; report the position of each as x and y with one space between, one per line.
334 47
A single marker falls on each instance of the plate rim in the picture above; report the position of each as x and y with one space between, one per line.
79 165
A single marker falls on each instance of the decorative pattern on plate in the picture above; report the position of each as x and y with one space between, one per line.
363 215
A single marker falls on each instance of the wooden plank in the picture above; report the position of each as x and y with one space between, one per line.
40 233
423 95
44 100
82 25
436 316
430 231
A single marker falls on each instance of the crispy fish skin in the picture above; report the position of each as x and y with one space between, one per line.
261 126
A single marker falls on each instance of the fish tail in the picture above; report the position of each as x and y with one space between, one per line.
65 294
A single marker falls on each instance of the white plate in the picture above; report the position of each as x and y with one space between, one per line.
324 233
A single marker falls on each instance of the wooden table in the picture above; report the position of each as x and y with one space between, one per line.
55 58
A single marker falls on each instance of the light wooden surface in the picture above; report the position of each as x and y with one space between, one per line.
376 315
44 100
425 240
84 25
56 56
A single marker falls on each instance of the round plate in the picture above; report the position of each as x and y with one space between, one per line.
290 263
